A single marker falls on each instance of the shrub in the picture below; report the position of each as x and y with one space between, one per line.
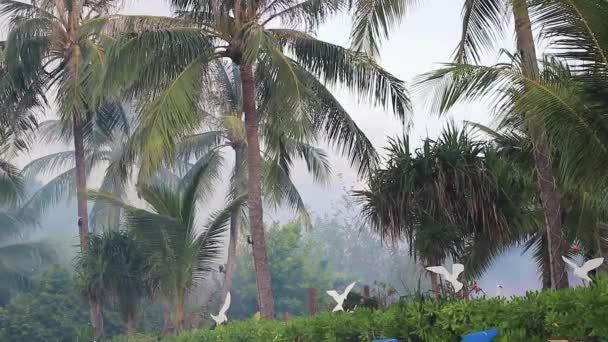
573 314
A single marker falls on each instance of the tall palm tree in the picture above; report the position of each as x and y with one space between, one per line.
179 252
56 46
483 21
583 212
281 148
114 269
247 34
445 199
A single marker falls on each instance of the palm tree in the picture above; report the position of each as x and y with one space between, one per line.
56 46
583 212
483 21
227 129
445 200
179 253
114 269
292 62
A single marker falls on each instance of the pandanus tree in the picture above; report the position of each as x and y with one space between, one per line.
115 271
283 144
444 199
180 251
252 35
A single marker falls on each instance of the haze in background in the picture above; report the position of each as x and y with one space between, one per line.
426 39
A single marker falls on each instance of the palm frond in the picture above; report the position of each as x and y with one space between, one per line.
11 183
323 112
311 13
576 29
49 164
482 25
210 243
197 183
198 145
157 133
374 20
279 189
337 65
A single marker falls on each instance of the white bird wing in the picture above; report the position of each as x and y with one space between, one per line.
215 318
439 270
457 269
592 264
226 305
348 289
569 262
334 295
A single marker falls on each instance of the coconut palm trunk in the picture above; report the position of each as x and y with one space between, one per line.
131 324
235 223
546 269
231 260
254 191
549 192
180 310
79 158
83 217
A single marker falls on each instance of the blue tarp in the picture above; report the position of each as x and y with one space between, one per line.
482 336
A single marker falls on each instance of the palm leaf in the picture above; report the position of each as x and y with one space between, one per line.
374 20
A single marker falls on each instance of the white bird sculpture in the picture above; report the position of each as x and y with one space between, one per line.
451 277
582 271
498 290
221 316
340 298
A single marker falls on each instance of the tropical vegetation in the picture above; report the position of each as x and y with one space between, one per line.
189 131
534 317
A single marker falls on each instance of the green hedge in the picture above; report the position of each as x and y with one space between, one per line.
579 315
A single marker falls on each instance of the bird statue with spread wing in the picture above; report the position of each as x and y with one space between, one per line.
581 271
340 298
450 277
221 316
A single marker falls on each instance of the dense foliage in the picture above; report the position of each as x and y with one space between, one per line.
296 264
53 310
573 314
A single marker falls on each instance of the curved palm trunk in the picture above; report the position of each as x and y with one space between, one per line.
254 191
549 192
231 260
235 223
